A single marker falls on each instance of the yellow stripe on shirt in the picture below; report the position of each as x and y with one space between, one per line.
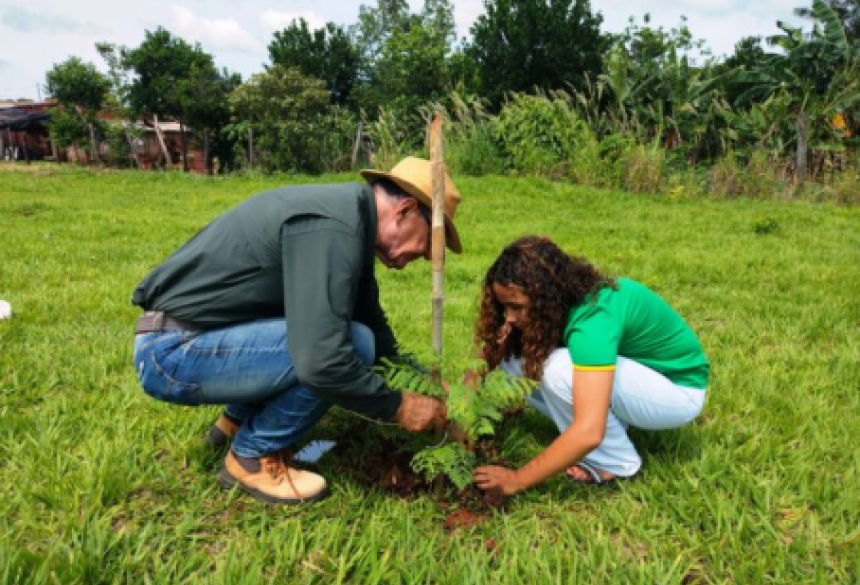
594 368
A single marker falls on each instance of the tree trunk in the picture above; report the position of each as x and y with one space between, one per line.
131 150
167 159
55 151
94 144
206 151
357 146
25 147
184 146
802 146
250 147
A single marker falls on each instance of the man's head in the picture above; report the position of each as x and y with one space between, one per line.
402 225
403 203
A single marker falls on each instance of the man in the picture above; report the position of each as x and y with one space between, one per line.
273 309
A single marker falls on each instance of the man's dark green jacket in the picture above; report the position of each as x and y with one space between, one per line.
305 253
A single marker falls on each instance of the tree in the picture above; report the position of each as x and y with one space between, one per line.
164 67
848 11
204 106
813 77
326 53
748 55
80 88
74 82
657 91
412 69
389 40
288 115
438 15
375 25
520 45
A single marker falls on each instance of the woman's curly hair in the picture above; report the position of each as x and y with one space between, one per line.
554 283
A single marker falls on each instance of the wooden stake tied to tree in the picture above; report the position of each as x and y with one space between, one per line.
437 168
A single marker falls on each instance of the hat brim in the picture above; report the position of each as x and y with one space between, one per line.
452 238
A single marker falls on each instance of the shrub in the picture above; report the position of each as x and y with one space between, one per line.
600 163
644 169
730 178
336 140
291 117
117 136
68 129
391 137
471 145
842 188
541 134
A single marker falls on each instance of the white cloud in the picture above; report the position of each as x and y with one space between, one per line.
226 34
273 21
26 21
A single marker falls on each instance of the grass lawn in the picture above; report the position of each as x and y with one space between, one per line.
101 484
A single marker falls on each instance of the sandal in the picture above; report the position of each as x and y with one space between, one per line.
594 477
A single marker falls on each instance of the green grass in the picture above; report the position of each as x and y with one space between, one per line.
101 484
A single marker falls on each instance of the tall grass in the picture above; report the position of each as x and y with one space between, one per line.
471 143
756 178
392 137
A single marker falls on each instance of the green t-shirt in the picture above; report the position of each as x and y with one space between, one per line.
634 322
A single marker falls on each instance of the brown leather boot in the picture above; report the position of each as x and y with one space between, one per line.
221 433
271 480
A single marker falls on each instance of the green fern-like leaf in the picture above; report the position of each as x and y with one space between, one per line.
407 376
506 391
474 410
451 459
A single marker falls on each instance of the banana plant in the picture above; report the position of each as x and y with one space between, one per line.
815 75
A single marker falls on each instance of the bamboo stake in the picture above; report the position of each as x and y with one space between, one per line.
438 233
437 252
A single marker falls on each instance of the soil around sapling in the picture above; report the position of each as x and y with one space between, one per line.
380 463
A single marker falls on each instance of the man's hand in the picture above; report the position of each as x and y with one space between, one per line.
420 413
496 477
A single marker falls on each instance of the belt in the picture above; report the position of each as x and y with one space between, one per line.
157 321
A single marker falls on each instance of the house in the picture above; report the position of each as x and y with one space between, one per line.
24 131
24 135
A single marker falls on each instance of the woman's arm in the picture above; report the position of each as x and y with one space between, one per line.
591 395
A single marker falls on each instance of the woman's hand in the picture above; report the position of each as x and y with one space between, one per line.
496 477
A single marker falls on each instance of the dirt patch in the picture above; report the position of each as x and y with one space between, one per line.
384 468
460 518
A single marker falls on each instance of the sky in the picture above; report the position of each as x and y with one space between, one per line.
37 34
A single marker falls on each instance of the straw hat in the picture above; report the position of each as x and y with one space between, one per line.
414 176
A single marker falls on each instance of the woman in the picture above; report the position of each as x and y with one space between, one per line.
557 319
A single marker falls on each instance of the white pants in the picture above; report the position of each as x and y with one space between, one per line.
640 397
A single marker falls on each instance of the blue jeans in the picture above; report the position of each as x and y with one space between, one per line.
246 366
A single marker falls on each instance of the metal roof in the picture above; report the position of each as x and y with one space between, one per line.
17 119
